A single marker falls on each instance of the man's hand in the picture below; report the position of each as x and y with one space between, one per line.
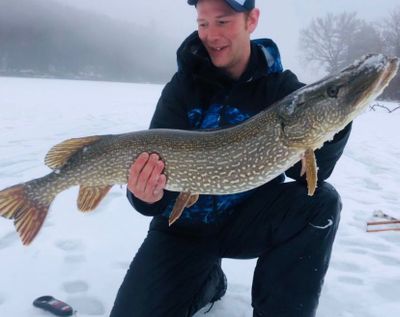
146 180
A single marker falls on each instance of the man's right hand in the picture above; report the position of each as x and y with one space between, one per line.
146 180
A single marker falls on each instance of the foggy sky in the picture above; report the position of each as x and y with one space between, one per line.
280 20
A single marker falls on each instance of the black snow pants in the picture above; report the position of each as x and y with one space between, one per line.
290 233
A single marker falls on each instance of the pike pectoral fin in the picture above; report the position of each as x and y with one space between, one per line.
192 200
90 196
184 200
309 167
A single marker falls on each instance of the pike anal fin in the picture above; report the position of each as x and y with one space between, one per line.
184 200
91 196
309 167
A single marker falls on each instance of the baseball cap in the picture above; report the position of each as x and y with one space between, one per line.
237 5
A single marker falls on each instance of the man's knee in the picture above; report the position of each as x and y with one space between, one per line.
328 202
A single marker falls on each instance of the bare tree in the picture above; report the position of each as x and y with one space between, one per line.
391 37
367 39
326 41
391 33
335 41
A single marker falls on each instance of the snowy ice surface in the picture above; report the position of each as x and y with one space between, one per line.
82 258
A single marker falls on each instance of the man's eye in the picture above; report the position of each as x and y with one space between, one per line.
222 22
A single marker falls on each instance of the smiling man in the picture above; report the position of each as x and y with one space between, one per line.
225 34
224 78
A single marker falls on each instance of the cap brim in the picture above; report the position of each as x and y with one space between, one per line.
235 6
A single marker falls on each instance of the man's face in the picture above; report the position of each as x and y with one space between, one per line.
225 34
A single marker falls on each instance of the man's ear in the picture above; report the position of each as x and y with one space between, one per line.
252 20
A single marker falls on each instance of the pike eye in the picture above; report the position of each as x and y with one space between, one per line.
332 91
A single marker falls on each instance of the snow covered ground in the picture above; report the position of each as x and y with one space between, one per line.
82 258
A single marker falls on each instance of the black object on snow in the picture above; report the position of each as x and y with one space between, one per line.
53 305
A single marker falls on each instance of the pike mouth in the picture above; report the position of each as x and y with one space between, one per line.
378 63
383 70
367 62
391 71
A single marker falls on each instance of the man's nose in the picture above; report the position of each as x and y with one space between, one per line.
213 33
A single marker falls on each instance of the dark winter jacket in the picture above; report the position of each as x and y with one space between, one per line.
200 96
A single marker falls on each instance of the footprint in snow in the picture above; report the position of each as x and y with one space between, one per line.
389 290
17 141
8 240
370 184
376 169
390 197
374 246
392 237
120 265
350 280
387 260
75 287
69 245
74 259
346 267
357 251
86 305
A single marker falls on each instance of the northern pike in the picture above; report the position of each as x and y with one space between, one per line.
225 161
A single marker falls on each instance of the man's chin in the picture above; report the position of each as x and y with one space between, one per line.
217 62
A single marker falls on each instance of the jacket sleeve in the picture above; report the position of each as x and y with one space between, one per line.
170 113
328 155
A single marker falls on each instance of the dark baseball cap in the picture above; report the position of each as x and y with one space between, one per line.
237 5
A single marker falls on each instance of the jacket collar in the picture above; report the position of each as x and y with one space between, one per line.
193 59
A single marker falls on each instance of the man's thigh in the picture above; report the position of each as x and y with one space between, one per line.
273 215
165 276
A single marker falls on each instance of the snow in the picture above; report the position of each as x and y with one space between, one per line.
375 62
82 258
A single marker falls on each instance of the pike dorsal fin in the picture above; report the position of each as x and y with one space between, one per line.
60 153
90 196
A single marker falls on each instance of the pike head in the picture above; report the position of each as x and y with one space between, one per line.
315 113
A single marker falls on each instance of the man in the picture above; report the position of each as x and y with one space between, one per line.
223 79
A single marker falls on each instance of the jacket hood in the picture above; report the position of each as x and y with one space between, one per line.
193 58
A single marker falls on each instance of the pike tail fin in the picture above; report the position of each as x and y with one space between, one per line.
28 214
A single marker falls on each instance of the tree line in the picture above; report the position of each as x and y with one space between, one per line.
335 41
44 38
